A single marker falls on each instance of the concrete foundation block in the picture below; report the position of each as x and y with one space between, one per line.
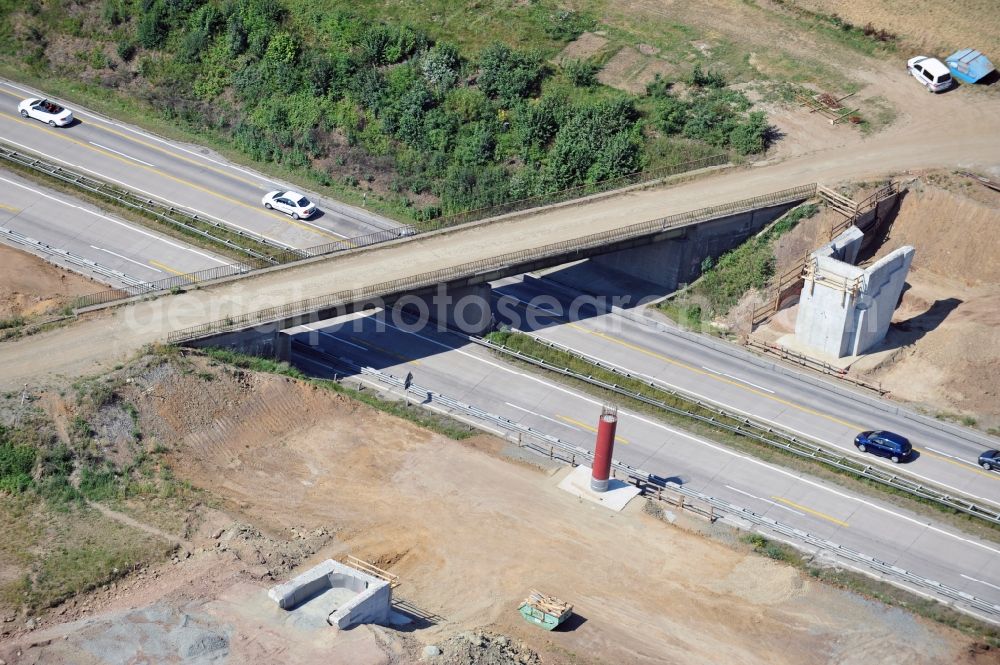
366 598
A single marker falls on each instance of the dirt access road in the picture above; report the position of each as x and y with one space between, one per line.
957 129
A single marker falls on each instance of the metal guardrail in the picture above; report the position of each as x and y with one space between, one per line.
281 254
819 365
172 215
231 270
485 266
289 256
39 247
843 552
554 448
762 432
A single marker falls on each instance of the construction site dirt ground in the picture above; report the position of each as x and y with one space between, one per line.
296 474
942 353
30 286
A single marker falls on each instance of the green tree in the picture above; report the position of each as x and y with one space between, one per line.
507 74
598 141
153 25
749 136
439 67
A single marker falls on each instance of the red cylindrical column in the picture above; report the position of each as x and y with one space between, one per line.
604 449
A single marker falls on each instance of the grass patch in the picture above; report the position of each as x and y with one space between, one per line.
88 550
878 114
12 322
866 39
873 589
254 363
530 347
723 283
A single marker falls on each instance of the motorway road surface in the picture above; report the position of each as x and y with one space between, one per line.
970 141
446 363
85 231
635 344
186 176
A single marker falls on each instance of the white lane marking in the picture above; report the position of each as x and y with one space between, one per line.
557 422
954 457
736 378
334 337
848 449
85 113
114 221
721 449
138 263
760 498
155 196
427 405
134 159
973 579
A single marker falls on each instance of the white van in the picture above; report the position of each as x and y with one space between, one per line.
931 72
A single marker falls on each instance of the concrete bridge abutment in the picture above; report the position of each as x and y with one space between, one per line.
675 257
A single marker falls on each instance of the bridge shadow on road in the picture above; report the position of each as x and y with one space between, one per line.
401 341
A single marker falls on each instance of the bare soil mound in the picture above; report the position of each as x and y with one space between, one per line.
30 286
942 350
954 235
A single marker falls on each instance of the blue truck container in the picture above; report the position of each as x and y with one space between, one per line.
968 65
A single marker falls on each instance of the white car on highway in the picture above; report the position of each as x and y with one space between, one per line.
290 203
45 111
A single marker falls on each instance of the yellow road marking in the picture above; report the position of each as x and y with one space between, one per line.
760 393
11 208
157 264
967 467
585 426
153 146
810 511
391 354
229 199
698 370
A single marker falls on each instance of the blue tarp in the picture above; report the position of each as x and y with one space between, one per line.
968 65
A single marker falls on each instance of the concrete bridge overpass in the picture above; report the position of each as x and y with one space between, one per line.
665 251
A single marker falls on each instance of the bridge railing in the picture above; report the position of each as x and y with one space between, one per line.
485 266
230 270
260 253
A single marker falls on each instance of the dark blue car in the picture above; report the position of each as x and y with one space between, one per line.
990 460
887 444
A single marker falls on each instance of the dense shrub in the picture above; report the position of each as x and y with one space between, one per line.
508 74
717 116
598 141
566 25
702 79
470 131
582 73
153 27
384 44
16 464
748 137
439 67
